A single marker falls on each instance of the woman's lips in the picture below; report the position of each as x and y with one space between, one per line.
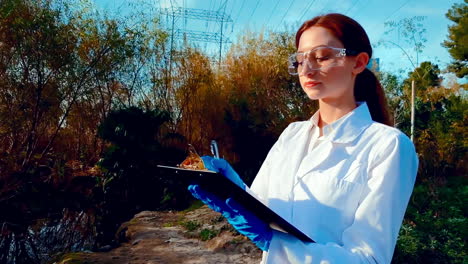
311 84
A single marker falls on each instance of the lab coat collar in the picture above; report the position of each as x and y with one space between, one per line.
348 127
344 130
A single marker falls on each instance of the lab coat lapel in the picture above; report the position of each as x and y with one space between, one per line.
298 149
315 158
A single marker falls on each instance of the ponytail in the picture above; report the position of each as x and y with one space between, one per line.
368 89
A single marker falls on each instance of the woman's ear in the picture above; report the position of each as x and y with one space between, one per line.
361 61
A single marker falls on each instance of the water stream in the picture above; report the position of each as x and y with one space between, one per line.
38 243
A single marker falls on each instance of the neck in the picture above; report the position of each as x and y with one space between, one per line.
331 111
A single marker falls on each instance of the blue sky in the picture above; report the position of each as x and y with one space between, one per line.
258 15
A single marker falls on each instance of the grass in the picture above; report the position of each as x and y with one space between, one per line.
71 258
180 221
207 234
191 225
195 205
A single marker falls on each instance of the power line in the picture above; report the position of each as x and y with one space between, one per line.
352 6
185 18
306 10
230 13
398 9
201 36
273 11
323 8
292 1
221 35
199 14
394 12
258 2
232 9
208 25
361 9
238 13
211 3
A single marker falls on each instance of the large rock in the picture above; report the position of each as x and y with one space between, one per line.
173 237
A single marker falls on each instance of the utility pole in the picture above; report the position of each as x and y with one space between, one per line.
172 40
220 45
413 34
412 109
221 37
413 86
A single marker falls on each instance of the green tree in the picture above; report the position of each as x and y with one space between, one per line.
425 76
137 145
457 38
394 92
433 230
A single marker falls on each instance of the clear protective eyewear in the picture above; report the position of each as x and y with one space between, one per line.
317 59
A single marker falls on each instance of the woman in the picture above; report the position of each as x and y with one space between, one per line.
345 176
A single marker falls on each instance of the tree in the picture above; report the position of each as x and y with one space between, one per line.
425 76
121 78
394 92
457 38
413 32
62 70
36 56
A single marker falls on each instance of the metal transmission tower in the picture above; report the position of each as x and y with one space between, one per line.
199 14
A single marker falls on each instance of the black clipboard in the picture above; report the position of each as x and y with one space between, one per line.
225 188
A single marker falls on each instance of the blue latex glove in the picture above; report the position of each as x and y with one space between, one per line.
241 219
223 167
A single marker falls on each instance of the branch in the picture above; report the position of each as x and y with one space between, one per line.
404 51
73 99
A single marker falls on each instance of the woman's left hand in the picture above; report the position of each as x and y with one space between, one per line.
240 218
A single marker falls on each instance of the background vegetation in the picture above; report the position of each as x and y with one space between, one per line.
90 104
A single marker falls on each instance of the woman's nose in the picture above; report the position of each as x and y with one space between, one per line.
308 70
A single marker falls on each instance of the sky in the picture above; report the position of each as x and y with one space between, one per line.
280 15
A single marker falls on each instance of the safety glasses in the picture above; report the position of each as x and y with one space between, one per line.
319 58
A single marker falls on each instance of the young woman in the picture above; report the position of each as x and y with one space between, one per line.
345 176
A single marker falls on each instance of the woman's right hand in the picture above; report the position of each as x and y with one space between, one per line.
223 167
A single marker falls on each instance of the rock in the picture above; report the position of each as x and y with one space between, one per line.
220 242
160 237
104 248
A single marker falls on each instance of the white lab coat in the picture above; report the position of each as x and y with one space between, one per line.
349 193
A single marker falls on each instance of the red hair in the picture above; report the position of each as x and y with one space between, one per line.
366 87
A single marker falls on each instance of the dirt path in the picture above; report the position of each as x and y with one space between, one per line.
160 237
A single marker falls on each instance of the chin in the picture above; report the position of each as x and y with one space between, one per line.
314 95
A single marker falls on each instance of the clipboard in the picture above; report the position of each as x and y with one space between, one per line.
225 188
